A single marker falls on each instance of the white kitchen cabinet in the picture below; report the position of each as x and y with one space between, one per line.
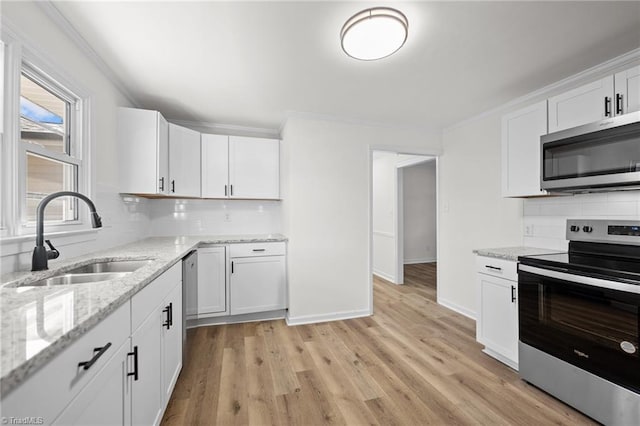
171 342
215 166
582 105
254 168
184 162
627 87
106 400
211 294
143 149
521 131
257 281
497 320
240 167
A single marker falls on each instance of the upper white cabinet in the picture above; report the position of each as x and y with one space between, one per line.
521 131
582 105
184 161
254 167
215 166
627 85
143 146
240 167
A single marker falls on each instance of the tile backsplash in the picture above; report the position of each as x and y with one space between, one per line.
545 218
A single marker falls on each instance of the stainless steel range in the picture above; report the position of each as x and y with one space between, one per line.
579 320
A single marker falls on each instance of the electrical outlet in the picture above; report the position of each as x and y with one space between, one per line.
528 230
227 217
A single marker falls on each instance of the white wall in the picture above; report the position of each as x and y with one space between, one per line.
214 217
124 221
326 185
545 219
419 212
472 213
385 215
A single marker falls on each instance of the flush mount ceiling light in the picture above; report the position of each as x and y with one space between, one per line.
374 33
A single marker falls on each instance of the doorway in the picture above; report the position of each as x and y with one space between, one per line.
404 219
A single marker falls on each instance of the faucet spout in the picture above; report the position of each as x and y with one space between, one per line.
40 254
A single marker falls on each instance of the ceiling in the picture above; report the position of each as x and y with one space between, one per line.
250 64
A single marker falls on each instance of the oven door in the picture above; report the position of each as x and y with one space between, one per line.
588 322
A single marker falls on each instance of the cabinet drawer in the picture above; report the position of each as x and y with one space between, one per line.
257 249
51 389
497 267
147 300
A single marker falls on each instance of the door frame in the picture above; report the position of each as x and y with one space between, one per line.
399 239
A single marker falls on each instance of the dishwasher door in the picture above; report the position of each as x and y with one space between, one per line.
189 294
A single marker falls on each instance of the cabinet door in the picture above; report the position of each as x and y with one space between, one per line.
172 342
147 395
497 325
106 400
257 284
215 166
521 131
254 168
143 151
212 293
582 105
184 161
627 85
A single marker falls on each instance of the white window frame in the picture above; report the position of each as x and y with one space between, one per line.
18 52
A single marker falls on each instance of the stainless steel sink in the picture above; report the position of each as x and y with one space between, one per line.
113 266
85 278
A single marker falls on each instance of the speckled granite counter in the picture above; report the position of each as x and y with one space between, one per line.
37 323
512 253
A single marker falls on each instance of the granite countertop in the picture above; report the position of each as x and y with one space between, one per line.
512 253
37 323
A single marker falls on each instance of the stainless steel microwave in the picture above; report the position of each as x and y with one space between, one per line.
599 156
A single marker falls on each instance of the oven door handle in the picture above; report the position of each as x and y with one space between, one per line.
581 279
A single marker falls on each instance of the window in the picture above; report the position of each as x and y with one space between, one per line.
51 158
45 142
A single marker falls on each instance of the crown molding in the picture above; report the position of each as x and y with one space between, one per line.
228 129
67 27
567 83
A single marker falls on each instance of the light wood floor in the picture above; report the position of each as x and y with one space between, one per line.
413 363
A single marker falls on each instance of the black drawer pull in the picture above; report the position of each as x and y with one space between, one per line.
618 103
162 184
495 268
135 363
259 249
513 294
607 106
232 267
98 353
173 186
225 190
169 311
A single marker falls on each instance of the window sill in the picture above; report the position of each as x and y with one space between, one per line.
25 243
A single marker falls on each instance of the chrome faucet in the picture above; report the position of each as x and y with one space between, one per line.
41 255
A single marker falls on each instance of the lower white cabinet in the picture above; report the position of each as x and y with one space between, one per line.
106 400
497 320
209 298
171 342
257 280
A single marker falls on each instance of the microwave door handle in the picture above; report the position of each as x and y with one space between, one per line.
581 279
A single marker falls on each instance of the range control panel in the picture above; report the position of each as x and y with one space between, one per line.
604 231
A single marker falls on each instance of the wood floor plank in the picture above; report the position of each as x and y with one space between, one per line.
413 362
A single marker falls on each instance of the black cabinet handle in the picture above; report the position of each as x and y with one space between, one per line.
495 268
169 311
259 249
618 103
232 267
231 189
98 353
607 106
162 184
225 190
513 294
173 186
135 363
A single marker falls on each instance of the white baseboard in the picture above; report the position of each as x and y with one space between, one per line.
455 307
383 275
422 260
335 316
234 319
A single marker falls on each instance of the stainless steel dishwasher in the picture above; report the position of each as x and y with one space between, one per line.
189 290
